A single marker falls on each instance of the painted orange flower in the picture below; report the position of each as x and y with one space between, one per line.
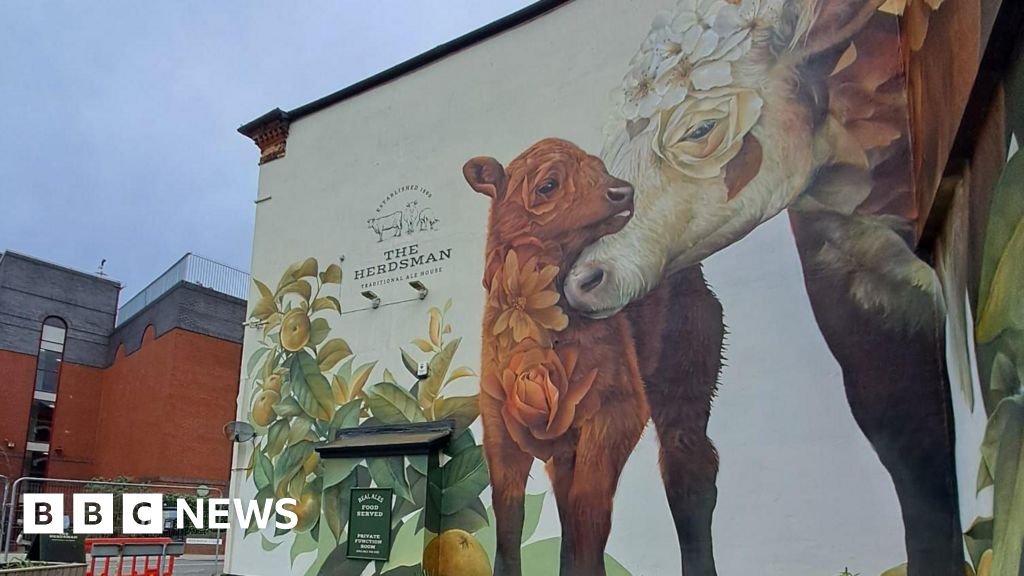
540 398
526 299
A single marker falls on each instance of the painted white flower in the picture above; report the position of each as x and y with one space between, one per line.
703 133
641 100
690 50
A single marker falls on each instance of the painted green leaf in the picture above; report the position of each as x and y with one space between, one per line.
326 303
332 504
462 409
464 478
462 440
337 470
389 472
533 505
359 378
267 545
1008 495
303 269
347 416
311 389
300 287
300 427
332 352
542 557
263 289
431 386
288 407
409 362
254 360
277 437
264 471
318 331
392 404
406 548
332 275
288 463
471 518
460 372
263 308
303 543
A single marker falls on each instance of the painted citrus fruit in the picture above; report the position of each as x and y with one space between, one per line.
455 553
294 330
263 407
307 509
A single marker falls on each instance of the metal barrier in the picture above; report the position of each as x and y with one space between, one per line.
194 269
5 482
26 485
120 549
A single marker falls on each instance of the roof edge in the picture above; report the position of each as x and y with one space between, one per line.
539 8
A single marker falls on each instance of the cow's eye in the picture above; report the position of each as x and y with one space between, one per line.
547 187
700 131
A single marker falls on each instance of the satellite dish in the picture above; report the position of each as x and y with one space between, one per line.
238 431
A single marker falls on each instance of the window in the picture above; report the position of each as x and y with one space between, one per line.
51 353
44 398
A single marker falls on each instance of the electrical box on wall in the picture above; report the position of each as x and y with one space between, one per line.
422 370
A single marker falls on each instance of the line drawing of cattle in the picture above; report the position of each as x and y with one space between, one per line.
426 220
388 223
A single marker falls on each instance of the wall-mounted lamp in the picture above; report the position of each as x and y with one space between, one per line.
420 289
254 323
372 297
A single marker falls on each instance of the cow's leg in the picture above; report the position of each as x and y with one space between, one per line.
561 469
605 443
510 468
679 332
877 307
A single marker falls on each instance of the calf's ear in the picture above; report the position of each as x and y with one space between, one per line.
485 175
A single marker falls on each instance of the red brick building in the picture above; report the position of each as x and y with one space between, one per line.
87 390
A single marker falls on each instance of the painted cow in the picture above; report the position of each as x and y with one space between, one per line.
732 111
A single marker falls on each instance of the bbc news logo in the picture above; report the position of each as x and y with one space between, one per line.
144 513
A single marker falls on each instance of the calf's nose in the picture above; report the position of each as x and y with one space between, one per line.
620 194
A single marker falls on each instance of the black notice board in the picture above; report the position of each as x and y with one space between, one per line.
58 548
369 524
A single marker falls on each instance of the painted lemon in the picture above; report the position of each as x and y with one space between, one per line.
295 330
263 407
273 383
307 509
455 553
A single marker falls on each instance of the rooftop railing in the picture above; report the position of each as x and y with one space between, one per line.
194 269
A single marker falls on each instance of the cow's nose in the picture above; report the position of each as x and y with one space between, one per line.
621 194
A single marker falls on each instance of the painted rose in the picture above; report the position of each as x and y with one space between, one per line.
526 300
541 398
701 135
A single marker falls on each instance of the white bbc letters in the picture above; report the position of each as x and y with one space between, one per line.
44 513
219 512
93 513
143 513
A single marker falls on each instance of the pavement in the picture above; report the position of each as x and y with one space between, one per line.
195 565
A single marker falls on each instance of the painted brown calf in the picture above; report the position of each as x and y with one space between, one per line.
556 386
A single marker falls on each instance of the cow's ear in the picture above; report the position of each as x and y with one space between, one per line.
830 24
486 176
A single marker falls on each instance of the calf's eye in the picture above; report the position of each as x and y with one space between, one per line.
547 187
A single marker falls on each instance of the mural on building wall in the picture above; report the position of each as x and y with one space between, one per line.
598 318
307 385
996 540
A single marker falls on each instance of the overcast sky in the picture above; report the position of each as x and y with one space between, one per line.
118 135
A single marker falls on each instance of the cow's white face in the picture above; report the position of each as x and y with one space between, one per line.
713 135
